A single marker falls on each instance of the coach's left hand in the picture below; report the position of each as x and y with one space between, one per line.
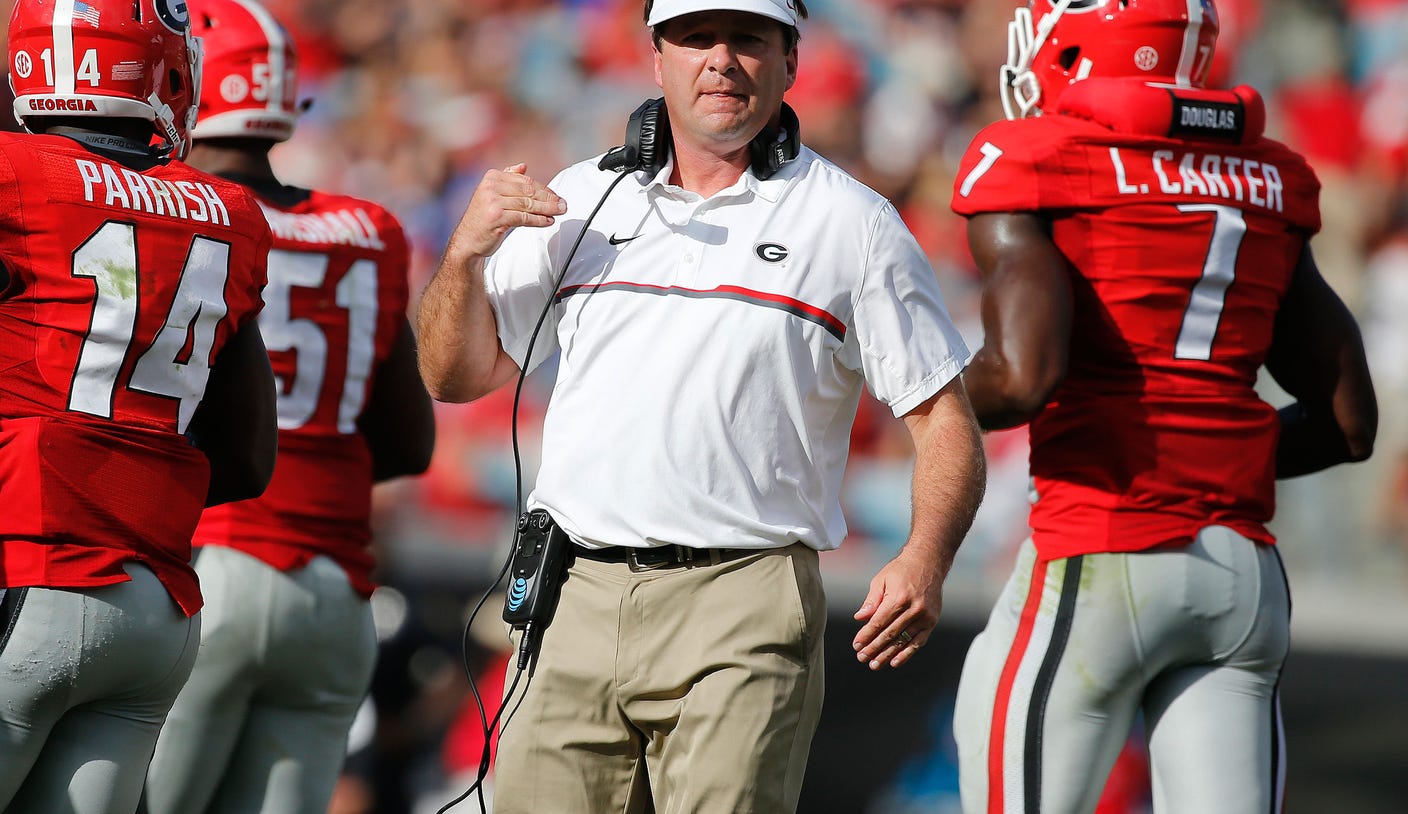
900 611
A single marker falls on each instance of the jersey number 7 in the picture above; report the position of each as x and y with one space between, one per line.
1209 295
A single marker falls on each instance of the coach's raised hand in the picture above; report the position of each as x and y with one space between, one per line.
504 199
457 337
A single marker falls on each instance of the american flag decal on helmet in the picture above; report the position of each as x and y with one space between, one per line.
86 13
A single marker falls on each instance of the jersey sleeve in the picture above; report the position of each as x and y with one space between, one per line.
250 260
260 272
11 222
1300 192
910 347
1012 166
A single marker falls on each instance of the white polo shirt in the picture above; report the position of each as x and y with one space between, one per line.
713 350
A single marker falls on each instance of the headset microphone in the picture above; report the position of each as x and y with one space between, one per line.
620 159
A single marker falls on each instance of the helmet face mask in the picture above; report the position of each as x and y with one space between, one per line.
1055 43
252 70
107 59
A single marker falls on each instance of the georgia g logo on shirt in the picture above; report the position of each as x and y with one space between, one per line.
771 252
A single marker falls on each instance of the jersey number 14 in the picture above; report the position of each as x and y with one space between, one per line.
177 362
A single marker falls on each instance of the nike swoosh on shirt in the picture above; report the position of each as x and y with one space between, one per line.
617 241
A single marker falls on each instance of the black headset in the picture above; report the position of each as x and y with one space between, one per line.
648 143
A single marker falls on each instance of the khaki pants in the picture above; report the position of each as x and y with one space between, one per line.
677 689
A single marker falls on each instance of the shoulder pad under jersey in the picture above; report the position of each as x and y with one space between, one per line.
1019 165
1134 107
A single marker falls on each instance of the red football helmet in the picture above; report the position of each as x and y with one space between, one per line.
253 71
107 58
1168 41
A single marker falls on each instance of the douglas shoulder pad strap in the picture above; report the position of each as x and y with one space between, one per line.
1208 118
1236 116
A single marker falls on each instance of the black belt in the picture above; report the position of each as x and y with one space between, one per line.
662 556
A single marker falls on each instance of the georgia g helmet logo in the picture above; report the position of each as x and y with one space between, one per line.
174 14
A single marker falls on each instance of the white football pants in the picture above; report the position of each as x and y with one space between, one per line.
86 678
1194 636
285 661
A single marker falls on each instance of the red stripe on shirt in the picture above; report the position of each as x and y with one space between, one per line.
819 315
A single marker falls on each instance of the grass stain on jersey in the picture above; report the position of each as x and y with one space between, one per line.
120 280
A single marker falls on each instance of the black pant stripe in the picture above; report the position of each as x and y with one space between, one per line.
1276 734
1045 677
11 600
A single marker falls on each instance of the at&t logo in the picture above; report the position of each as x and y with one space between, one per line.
517 592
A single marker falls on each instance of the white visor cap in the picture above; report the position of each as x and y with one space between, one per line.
784 11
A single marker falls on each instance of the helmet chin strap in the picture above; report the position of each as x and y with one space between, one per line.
165 120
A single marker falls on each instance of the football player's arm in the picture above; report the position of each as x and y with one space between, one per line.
950 475
460 355
1317 356
236 425
1026 314
399 422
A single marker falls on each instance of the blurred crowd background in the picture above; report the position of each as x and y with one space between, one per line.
413 100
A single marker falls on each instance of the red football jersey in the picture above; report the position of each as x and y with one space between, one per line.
1180 253
336 299
123 288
